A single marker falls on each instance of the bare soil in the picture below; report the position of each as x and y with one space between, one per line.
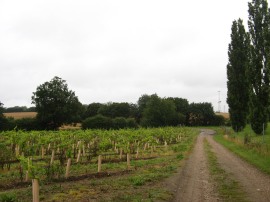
193 181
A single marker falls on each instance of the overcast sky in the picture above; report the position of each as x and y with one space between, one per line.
117 50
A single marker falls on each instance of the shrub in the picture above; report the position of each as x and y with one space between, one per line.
218 120
27 124
7 123
97 122
119 123
131 123
8 197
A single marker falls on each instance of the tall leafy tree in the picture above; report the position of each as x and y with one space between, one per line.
142 105
1 109
259 28
5 123
56 104
200 114
237 75
159 112
92 109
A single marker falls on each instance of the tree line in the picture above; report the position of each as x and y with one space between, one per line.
248 69
56 105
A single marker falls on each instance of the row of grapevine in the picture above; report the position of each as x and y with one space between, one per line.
49 155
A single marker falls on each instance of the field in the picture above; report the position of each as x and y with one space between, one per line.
20 115
119 165
225 115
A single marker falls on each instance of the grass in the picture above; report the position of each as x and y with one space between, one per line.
228 188
249 146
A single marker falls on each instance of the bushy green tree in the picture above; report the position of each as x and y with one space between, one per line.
200 114
92 109
142 105
1 109
119 123
114 110
97 122
2 118
259 71
237 75
56 104
159 112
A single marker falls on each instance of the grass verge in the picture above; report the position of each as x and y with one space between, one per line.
254 152
228 188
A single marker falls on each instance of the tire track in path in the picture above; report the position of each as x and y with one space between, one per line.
255 183
194 183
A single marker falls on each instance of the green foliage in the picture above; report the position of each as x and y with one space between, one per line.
200 114
259 71
131 123
8 197
218 120
20 109
92 110
159 112
27 124
56 104
54 171
180 104
137 180
1 109
114 110
237 75
97 122
119 123
249 146
5 154
5 123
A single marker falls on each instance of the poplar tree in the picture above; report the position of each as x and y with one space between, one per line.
259 72
237 83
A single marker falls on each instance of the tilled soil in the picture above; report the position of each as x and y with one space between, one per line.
193 182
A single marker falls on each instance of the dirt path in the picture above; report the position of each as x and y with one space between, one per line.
193 181
194 178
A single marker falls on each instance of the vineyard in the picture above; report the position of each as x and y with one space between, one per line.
62 157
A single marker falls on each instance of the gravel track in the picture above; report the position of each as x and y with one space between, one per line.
193 183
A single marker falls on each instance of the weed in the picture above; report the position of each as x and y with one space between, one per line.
228 188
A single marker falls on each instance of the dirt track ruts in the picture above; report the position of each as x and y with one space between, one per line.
194 183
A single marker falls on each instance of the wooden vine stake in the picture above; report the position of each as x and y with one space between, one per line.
35 190
145 145
79 155
68 168
17 150
137 153
128 161
26 176
121 153
52 158
99 163
27 172
42 152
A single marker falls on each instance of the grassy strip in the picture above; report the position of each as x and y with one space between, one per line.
228 189
252 156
